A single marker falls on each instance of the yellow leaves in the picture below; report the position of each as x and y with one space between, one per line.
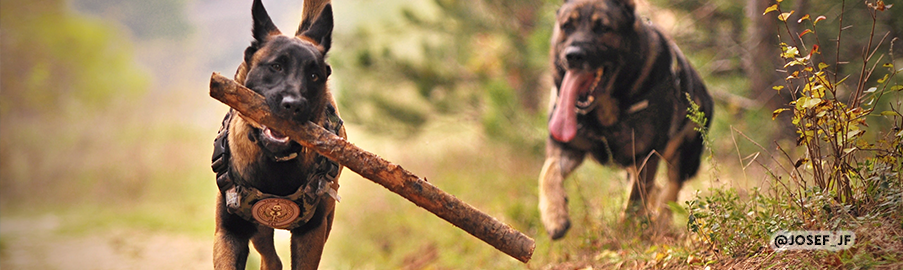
811 102
819 77
818 19
815 90
794 63
820 117
807 31
793 53
783 17
659 256
852 134
890 113
882 80
774 115
805 103
800 162
842 80
770 9
790 52
814 22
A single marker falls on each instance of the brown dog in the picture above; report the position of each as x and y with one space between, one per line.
267 181
621 95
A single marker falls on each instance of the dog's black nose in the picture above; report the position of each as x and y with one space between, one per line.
575 56
294 107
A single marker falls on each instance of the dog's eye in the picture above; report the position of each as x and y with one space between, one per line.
567 26
601 28
276 67
314 77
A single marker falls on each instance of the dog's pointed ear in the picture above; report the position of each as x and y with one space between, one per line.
262 28
320 30
628 5
263 25
312 8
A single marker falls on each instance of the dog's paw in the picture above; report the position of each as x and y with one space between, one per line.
555 219
557 229
636 213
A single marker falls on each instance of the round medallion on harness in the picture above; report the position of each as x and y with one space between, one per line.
275 212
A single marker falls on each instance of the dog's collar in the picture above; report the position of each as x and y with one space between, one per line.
280 212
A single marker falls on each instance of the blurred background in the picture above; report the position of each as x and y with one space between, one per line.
106 126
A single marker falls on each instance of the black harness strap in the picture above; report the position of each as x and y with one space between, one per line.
280 212
222 155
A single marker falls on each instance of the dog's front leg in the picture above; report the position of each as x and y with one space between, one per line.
263 243
230 244
308 240
552 196
642 189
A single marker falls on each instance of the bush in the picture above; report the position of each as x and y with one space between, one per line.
846 175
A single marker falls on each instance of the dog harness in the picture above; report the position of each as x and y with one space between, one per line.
279 212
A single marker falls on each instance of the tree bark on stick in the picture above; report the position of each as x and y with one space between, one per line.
393 177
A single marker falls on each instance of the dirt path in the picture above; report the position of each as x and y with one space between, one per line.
37 243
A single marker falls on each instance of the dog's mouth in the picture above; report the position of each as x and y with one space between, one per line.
279 146
586 99
574 96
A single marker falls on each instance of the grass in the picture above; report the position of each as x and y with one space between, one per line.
385 231
139 173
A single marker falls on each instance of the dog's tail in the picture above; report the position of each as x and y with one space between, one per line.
309 13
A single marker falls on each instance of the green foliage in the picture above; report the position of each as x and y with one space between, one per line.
52 57
484 61
740 226
697 116
60 73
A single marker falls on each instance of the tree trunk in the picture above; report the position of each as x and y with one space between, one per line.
761 62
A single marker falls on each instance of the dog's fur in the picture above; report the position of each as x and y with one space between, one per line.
290 72
639 117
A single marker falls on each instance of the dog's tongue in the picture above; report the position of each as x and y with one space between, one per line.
563 124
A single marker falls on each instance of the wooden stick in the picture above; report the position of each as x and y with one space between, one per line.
417 190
